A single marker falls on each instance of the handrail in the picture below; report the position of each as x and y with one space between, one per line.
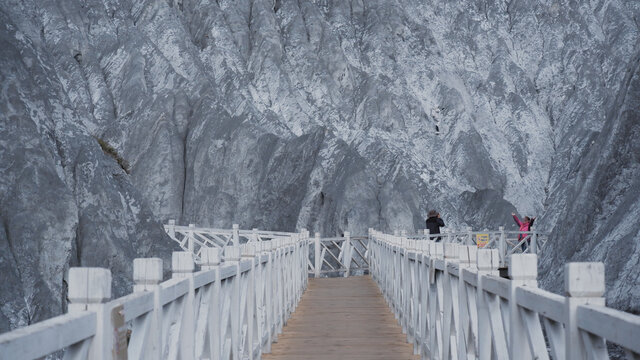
507 242
38 340
236 304
452 304
339 256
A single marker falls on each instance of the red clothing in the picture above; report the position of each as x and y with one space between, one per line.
524 226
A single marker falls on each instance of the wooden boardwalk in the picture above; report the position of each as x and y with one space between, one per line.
342 318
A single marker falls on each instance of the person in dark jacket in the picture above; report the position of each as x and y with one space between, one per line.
434 223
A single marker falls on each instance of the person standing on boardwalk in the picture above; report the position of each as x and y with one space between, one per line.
434 223
525 225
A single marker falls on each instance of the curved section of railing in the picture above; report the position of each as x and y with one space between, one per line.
339 256
233 308
193 239
452 304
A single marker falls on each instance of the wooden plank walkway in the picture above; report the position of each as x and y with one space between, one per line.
342 318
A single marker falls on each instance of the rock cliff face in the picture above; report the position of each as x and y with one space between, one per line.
334 115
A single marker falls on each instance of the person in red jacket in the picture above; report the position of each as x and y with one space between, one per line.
525 225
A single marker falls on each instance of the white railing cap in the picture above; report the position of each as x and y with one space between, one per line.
232 253
89 285
523 267
436 249
451 251
584 279
248 249
468 254
424 245
147 271
210 256
182 262
487 259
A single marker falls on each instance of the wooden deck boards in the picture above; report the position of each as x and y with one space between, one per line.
342 318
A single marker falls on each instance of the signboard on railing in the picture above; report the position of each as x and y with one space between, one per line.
482 240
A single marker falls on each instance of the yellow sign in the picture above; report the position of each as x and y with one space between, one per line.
482 240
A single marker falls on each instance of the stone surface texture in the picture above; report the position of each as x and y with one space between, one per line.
332 115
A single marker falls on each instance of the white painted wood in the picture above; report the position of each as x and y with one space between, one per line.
211 258
542 302
347 252
89 288
48 336
494 317
523 271
584 283
191 239
147 274
182 265
146 341
446 296
317 256
616 326
236 234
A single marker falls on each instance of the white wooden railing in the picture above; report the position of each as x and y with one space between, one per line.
193 238
233 308
345 255
330 256
339 256
452 304
506 242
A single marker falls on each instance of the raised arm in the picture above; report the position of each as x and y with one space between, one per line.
531 222
515 217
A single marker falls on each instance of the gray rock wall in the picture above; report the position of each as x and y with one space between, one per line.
63 202
332 115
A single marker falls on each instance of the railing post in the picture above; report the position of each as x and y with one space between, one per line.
171 229
269 295
523 271
254 233
210 258
534 243
89 290
236 235
147 276
190 240
317 255
467 256
232 255
487 261
182 267
450 300
347 253
502 246
583 284
249 252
